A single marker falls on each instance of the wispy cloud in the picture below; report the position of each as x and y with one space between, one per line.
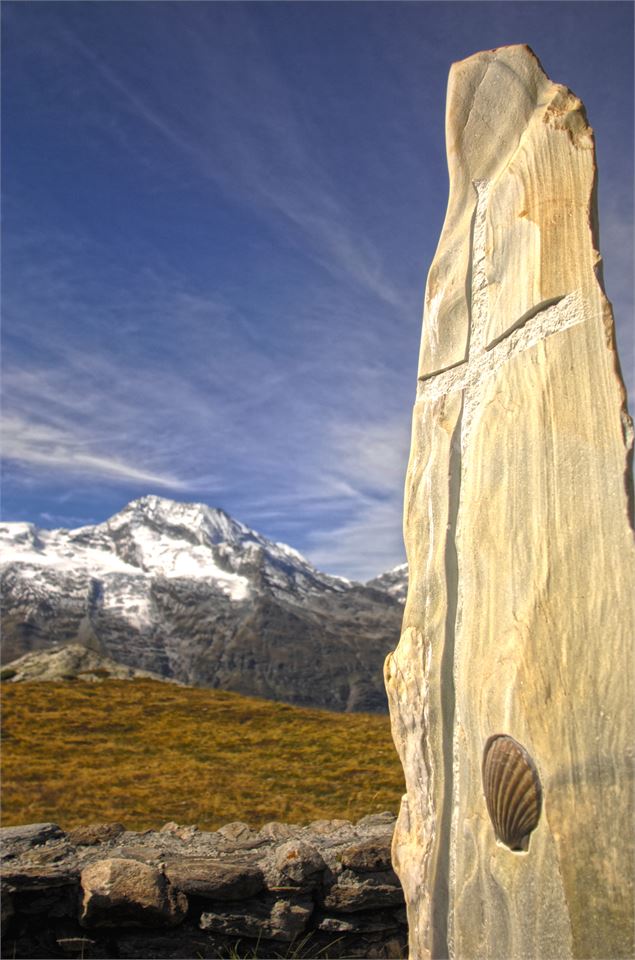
180 396
367 544
65 520
35 444
256 147
247 333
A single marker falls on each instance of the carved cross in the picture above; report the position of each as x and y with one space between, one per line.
484 359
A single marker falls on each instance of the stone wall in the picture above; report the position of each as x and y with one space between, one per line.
284 891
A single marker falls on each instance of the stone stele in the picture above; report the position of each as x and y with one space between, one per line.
520 613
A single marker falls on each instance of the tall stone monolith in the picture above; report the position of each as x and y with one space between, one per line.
511 688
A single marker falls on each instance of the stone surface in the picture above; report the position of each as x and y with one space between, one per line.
72 662
38 877
520 611
371 922
274 830
255 893
237 830
352 892
272 919
214 879
369 855
124 893
14 840
95 833
297 863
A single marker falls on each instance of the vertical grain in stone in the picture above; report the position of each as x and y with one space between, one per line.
520 614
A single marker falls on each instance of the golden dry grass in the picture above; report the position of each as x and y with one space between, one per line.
144 752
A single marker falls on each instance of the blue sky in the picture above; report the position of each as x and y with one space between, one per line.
218 221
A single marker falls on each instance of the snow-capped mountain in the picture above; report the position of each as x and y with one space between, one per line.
394 582
186 591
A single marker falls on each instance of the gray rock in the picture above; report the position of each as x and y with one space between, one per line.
351 892
214 879
123 893
237 830
368 856
336 925
384 819
374 922
71 662
185 833
38 877
296 863
14 840
152 853
269 918
95 833
277 831
255 887
329 827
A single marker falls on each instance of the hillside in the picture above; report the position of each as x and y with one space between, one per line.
143 752
184 591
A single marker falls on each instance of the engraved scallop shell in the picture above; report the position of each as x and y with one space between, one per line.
512 790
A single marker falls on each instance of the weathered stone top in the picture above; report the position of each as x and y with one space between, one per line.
364 845
505 121
105 891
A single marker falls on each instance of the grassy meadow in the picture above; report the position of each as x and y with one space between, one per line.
144 752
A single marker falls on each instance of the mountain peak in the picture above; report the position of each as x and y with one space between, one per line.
186 591
211 523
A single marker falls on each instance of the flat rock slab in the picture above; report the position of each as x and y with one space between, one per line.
214 879
16 840
94 833
272 919
369 855
352 892
23 879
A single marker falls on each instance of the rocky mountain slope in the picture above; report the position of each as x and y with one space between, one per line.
186 592
71 662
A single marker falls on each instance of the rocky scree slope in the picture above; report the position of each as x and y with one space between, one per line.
186 592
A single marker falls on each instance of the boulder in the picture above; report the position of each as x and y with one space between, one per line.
127 893
297 864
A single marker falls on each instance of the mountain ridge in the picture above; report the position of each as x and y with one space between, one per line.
190 593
